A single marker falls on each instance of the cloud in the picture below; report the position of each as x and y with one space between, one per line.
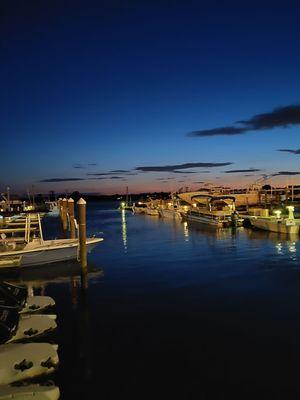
79 166
62 179
164 179
226 130
235 171
278 117
174 168
117 177
287 173
290 151
120 171
199 182
83 166
100 174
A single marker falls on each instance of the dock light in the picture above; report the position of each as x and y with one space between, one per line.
185 208
169 204
277 213
291 211
123 204
194 204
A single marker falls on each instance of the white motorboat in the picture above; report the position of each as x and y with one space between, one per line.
22 361
53 208
30 391
173 208
37 251
139 208
218 211
287 225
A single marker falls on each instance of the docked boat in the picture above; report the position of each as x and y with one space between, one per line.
27 391
20 361
127 204
218 211
34 250
139 208
276 223
173 208
53 208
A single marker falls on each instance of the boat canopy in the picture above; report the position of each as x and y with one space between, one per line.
213 198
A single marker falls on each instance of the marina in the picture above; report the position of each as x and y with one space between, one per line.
149 200
195 265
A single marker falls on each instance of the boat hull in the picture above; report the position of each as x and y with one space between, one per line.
52 251
173 214
275 225
218 223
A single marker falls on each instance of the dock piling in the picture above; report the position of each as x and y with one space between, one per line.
64 214
71 218
82 232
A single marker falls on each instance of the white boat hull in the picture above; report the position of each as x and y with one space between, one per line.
35 355
33 391
173 214
32 326
275 225
50 251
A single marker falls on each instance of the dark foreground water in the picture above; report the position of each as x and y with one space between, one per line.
177 311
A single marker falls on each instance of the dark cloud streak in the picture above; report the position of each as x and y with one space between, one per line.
280 117
174 168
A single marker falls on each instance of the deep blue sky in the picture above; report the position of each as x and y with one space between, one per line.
120 84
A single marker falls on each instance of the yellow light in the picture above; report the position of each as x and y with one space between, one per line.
277 213
169 204
122 204
194 204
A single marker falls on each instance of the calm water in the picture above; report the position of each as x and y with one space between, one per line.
178 311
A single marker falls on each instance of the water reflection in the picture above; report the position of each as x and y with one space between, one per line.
186 231
124 229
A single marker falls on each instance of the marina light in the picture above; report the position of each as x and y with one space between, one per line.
194 204
122 204
291 211
277 213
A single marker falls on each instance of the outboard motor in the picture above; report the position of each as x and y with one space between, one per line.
9 320
234 219
11 295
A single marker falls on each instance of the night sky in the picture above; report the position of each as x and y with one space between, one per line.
154 95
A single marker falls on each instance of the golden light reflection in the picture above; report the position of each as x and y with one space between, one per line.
292 247
186 231
124 229
279 248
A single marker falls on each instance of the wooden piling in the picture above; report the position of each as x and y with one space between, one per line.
71 218
64 214
59 207
82 232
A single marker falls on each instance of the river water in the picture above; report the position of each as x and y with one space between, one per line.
174 310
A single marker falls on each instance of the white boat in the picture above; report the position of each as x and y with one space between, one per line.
218 211
53 208
173 208
273 224
37 251
139 208
152 211
22 361
32 326
29 391
43 252
287 225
